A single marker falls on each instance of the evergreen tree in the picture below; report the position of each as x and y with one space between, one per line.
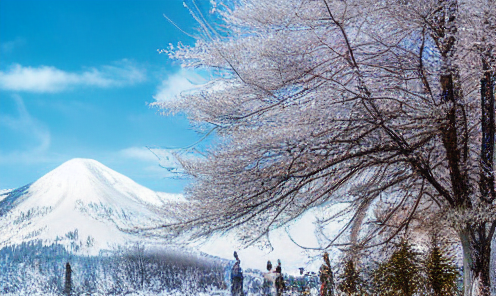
442 273
401 274
350 279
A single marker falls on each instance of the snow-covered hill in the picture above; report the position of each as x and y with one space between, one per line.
81 204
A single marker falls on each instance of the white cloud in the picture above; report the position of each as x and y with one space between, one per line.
177 83
165 159
50 79
140 153
154 163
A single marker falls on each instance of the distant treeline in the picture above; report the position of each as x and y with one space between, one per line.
33 267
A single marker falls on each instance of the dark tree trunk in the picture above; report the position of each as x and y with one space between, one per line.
487 146
68 279
484 232
476 238
454 141
476 245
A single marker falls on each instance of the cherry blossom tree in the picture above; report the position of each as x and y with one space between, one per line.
384 106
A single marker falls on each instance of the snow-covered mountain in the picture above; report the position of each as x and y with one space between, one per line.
88 207
81 204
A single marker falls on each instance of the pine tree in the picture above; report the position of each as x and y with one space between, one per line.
350 279
401 274
442 273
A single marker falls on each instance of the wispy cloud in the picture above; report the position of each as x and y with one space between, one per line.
37 136
49 79
175 84
10 46
140 153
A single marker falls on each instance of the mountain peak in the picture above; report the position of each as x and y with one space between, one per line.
83 195
80 162
76 166
91 181
76 174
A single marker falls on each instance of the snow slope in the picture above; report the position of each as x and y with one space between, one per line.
4 193
291 255
81 204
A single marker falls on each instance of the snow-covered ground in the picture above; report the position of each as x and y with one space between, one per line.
141 293
291 255
149 293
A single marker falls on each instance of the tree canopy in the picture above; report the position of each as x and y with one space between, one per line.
384 106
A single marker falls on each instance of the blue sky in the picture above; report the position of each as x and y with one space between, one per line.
75 80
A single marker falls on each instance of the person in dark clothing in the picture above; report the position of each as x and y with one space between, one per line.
237 277
326 278
280 285
269 266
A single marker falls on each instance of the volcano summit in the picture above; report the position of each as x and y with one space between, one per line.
81 204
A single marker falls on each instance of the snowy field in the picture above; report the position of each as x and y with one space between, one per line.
142 293
313 292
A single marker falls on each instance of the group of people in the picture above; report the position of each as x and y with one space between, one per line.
273 279
274 282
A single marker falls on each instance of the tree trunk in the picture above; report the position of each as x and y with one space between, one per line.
486 182
492 267
68 280
476 261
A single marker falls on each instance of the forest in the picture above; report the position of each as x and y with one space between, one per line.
34 268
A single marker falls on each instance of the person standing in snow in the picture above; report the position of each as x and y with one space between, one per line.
268 282
237 277
326 278
280 285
